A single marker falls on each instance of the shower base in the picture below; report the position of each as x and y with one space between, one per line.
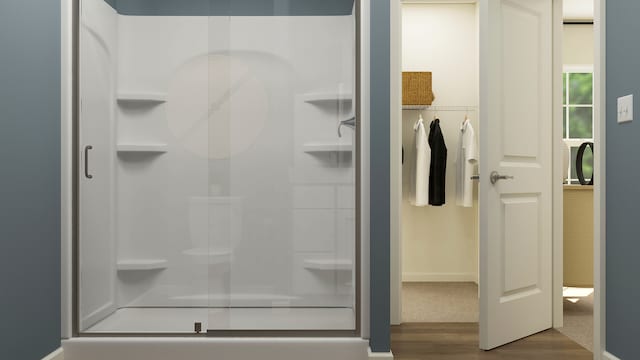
144 348
181 320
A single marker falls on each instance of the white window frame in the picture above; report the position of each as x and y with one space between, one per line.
574 69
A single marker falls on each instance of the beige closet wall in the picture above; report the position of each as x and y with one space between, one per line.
578 44
578 200
440 243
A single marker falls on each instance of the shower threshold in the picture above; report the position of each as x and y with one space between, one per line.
181 320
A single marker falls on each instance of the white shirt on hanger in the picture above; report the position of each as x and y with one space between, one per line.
467 159
420 166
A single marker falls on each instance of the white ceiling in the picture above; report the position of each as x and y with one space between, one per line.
578 10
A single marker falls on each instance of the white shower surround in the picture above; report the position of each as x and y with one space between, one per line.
189 42
166 201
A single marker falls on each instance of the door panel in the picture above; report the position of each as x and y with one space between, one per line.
96 176
515 138
520 243
520 82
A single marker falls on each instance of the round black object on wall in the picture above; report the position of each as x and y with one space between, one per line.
579 164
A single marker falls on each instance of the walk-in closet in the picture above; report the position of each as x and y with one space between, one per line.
440 236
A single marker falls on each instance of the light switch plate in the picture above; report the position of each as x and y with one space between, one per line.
625 108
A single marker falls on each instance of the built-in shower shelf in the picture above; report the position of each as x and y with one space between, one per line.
142 97
328 264
142 148
327 97
142 264
327 147
209 256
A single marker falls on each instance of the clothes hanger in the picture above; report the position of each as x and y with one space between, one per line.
415 126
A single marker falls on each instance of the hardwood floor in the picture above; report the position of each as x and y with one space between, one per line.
414 341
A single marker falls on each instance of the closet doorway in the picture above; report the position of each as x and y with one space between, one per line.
443 252
440 243
579 127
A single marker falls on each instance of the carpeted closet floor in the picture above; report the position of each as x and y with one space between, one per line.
578 316
440 302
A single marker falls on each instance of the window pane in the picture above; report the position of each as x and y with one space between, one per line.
580 122
581 89
587 164
564 88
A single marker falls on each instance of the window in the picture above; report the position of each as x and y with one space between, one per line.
578 117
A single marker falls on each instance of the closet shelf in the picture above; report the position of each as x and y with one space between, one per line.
142 148
327 97
327 147
439 108
143 97
142 264
328 264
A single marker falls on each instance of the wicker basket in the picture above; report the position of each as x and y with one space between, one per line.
416 88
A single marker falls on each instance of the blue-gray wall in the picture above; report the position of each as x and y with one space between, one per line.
29 178
623 185
233 7
380 176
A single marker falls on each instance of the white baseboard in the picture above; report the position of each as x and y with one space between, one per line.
380 355
608 356
56 355
439 277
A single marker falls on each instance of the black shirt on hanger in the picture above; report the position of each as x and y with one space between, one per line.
438 167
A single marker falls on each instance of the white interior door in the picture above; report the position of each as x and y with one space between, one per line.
515 141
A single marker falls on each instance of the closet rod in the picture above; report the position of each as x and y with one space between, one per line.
439 108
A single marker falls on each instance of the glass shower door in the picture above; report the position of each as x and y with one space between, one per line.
217 166
144 185
282 169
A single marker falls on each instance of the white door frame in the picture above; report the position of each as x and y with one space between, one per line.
396 162
558 167
66 166
68 10
599 204
599 198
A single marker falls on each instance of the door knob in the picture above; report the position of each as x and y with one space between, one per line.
495 176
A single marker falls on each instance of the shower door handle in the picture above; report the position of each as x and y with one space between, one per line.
86 162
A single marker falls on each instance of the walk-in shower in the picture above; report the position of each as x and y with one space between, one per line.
217 146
